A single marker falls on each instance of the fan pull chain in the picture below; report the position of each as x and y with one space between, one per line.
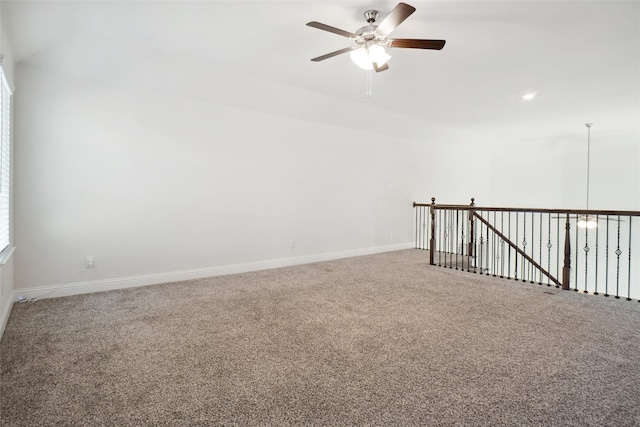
368 89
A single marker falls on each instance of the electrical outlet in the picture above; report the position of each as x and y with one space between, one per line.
292 244
89 262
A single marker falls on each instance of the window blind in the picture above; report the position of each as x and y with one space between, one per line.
5 161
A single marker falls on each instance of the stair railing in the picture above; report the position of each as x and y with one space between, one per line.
544 246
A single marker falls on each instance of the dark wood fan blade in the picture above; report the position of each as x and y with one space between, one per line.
417 43
332 54
399 13
331 29
381 68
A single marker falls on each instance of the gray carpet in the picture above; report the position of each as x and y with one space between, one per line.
375 340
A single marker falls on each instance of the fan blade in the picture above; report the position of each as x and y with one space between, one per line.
331 29
332 54
417 43
379 69
399 13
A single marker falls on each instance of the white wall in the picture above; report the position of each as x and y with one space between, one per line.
153 183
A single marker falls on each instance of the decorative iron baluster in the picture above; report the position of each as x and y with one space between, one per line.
451 238
586 259
481 248
577 263
424 224
515 257
488 251
606 271
595 292
629 273
533 249
540 245
524 246
502 242
417 245
509 254
558 249
455 243
618 253
441 239
418 230
549 246
496 255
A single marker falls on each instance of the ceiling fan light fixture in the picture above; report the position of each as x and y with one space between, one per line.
378 55
365 56
361 58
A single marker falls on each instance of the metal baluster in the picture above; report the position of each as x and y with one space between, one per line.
606 270
481 251
515 256
532 277
464 237
427 224
524 246
595 292
540 245
441 239
488 242
456 241
496 255
618 253
577 263
418 221
549 246
558 249
422 227
586 259
451 237
488 251
629 273
502 244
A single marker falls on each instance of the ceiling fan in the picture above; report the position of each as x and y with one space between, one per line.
369 53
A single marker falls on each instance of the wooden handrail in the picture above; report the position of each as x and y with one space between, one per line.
538 210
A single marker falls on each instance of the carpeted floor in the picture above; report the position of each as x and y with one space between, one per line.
380 340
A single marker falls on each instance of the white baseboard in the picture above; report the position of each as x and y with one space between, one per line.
4 316
68 289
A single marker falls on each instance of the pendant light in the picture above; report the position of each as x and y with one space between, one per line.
588 221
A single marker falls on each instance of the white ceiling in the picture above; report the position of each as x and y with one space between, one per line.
581 57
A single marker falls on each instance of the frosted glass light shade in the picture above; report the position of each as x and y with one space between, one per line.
364 57
361 58
378 55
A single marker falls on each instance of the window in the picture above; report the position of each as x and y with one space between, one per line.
5 159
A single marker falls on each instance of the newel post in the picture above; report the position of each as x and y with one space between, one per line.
432 241
566 270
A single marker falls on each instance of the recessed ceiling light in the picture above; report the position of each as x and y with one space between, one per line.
528 96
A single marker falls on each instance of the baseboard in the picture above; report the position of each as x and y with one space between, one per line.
68 289
4 316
